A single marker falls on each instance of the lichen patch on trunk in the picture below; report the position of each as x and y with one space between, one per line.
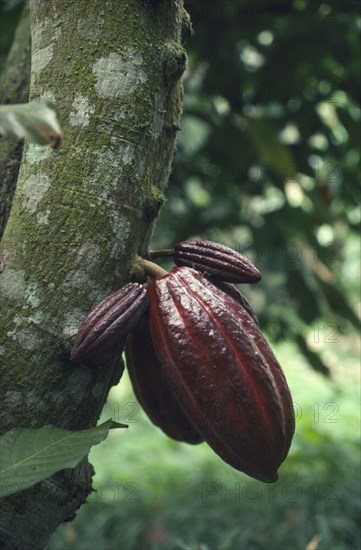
47 28
43 217
41 58
121 227
72 320
34 189
119 77
12 284
82 109
37 153
28 338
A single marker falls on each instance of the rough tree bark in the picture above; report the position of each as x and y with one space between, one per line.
80 215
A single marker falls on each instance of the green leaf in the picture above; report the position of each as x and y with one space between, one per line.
37 121
29 455
269 147
314 359
194 134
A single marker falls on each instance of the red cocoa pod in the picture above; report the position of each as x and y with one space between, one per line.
110 320
223 372
238 296
216 259
151 388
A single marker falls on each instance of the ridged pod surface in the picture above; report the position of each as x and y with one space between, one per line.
223 372
109 321
216 259
151 388
238 296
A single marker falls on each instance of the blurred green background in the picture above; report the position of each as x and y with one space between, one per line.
268 163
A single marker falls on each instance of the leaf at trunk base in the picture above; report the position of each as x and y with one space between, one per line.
29 455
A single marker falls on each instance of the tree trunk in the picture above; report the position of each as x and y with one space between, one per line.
79 217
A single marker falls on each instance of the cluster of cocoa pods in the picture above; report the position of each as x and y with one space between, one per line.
198 362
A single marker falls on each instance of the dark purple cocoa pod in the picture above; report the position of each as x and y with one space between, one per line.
222 371
216 259
151 388
237 295
105 326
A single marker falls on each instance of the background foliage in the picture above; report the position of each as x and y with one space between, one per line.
269 154
267 163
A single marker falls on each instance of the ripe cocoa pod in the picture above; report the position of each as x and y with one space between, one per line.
238 296
216 259
110 320
223 372
151 388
